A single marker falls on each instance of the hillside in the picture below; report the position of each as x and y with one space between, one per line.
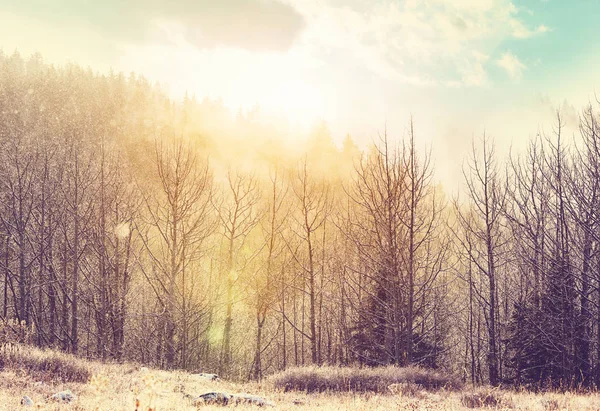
96 386
140 229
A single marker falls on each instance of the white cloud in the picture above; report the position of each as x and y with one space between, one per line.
542 29
511 63
520 31
424 42
257 25
473 71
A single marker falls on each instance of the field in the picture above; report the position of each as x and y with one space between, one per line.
40 374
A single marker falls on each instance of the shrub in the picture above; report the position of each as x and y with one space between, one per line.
43 365
14 332
319 379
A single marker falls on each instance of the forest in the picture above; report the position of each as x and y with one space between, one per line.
135 227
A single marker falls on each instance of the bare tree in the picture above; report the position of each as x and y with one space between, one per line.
487 200
238 214
179 218
312 212
264 283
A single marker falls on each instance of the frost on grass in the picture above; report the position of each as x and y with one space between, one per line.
320 379
44 365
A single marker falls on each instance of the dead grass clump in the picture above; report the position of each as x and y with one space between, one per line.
551 404
337 379
485 397
43 365
407 389
555 402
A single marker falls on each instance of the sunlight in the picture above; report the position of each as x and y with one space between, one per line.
122 230
333 204
298 102
276 85
285 85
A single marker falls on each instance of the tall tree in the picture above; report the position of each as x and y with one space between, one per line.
487 200
179 220
313 206
238 214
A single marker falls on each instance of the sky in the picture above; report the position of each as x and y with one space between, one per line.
459 67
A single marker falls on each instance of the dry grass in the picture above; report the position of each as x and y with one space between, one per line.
340 379
120 387
43 365
486 397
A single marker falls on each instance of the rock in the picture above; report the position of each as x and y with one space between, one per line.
63 396
210 377
221 398
216 398
27 402
251 400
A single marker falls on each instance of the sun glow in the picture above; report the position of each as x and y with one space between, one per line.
297 101
280 84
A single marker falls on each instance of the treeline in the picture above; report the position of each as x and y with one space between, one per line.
133 227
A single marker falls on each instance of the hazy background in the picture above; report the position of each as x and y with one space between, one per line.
458 66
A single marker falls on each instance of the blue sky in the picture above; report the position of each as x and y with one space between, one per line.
460 67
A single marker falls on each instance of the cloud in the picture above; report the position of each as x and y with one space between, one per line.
511 63
417 42
473 71
520 31
257 25
421 43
